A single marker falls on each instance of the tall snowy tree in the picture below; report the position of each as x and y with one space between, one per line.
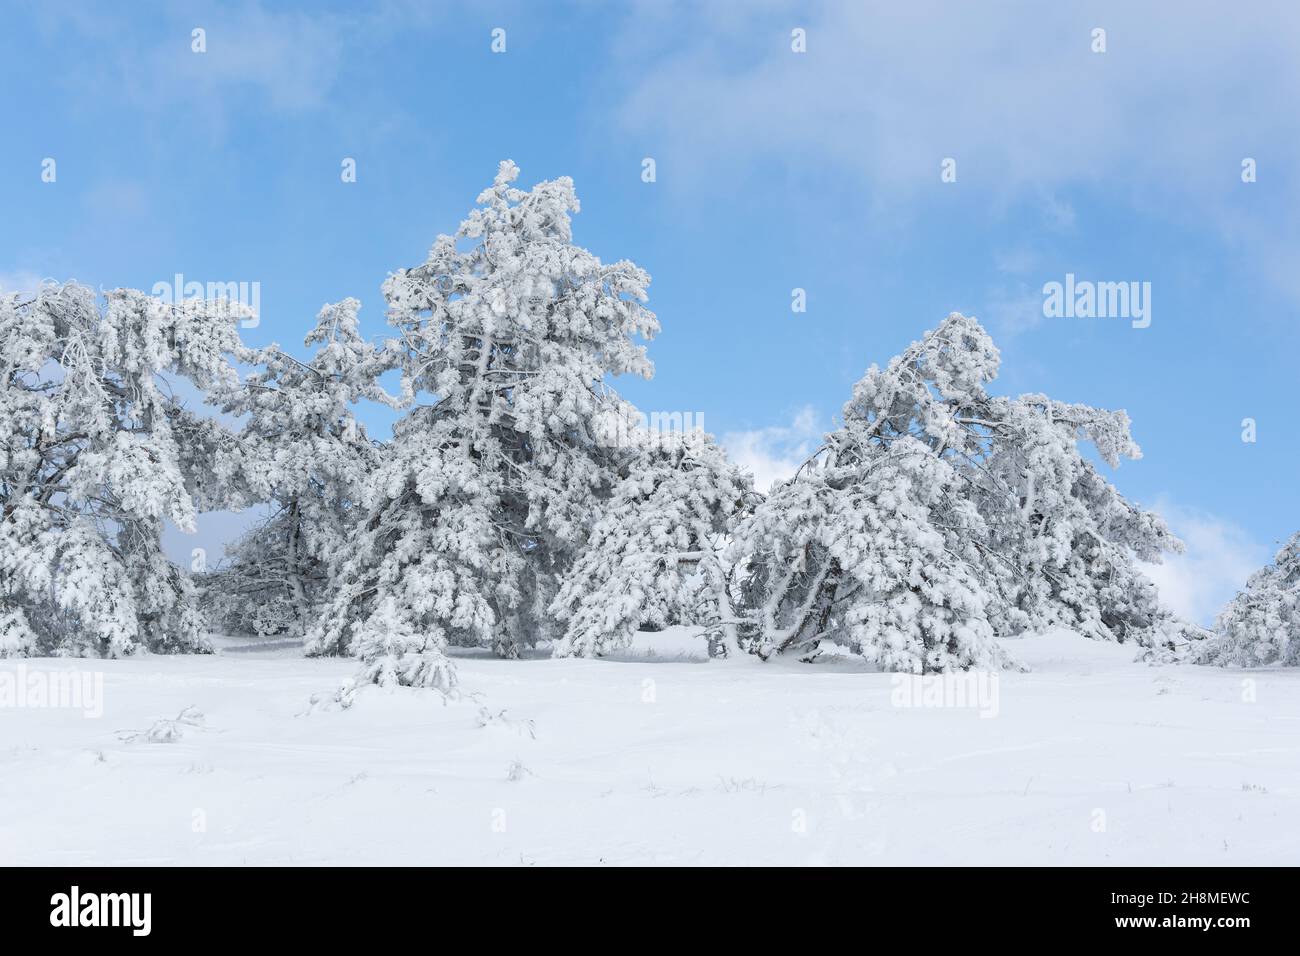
95 452
487 490
303 452
939 517
1261 625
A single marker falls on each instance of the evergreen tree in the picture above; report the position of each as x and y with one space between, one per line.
487 491
1261 625
95 452
938 518
655 554
302 451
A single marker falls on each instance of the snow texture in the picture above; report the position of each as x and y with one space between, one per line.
661 757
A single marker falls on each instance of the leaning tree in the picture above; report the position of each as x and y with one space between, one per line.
938 518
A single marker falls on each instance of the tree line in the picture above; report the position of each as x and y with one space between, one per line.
521 500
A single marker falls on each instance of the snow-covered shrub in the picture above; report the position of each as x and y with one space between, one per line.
95 452
1261 625
938 518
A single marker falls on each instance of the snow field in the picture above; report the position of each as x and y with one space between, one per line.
653 759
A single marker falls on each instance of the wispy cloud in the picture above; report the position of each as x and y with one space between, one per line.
1012 91
1220 556
286 59
1014 307
257 59
887 91
19 280
775 453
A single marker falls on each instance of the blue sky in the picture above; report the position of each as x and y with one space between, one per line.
775 170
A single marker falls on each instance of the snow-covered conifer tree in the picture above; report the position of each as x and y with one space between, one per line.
303 451
95 452
1071 537
488 489
1261 625
655 554
939 517
874 544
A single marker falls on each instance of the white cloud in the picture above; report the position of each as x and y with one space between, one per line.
276 58
291 59
287 60
1012 91
775 453
1220 556
1016 261
1013 308
20 280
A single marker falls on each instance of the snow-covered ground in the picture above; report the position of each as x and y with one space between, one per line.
657 759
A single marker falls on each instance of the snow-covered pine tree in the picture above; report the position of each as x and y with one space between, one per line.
874 544
1071 537
655 554
939 517
1261 625
487 491
304 453
95 452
